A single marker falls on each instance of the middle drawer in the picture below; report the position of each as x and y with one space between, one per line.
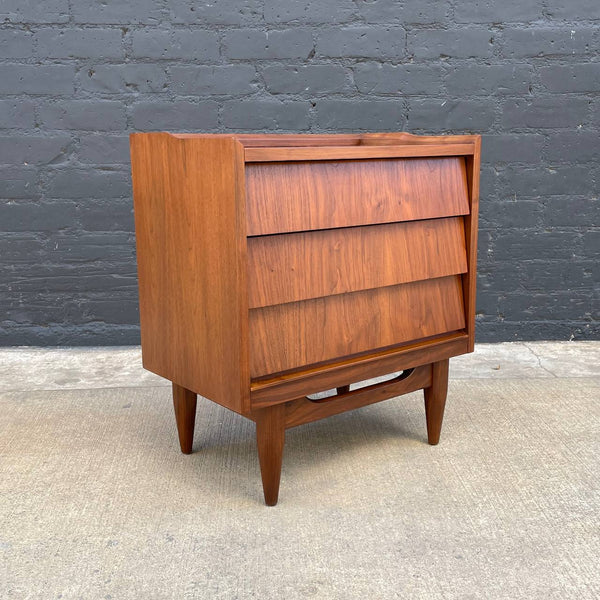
300 266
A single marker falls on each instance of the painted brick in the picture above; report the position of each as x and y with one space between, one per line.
463 115
112 247
491 11
573 10
78 75
124 79
117 11
85 183
37 80
522 245
87 115
199 45
521 214
256 115
571 211
180 115
409 11
484 80
499 148
554 274
221 12
23 215
18 182
107 215
371 42
34 149
573 146
17 114
102 149
206 81
591 244
546 181
364 115
529 42
407 80
80 43
542 113
309 11
29 11
16 43
571 78
305 79
439 43
256 44
538 307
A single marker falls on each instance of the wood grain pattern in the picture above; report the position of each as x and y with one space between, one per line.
435 400
303 410
367 267
300 266
287 336
191 252
184 403
471 228
303 153
282 387
281 140
270 437
283 197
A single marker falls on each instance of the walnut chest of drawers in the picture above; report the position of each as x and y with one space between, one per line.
273 267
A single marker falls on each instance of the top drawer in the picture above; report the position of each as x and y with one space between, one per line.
299 196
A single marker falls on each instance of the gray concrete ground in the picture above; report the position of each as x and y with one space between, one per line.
97 502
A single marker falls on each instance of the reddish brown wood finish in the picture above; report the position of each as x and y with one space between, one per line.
184 402
282 387
319 330
270 436
471 226
297 196
282 140
303 410
300 266
276 266
435 400
191 253
353 152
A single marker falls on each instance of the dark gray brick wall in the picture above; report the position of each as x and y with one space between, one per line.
76 76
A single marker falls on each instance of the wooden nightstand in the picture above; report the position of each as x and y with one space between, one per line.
272 267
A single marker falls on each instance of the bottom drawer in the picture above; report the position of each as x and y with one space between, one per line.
297 334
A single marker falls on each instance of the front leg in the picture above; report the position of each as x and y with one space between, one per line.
184 402
435 400
270 437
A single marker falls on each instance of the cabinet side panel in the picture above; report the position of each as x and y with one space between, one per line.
472 166
189 252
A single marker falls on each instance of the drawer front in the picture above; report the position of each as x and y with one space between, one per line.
300 266
297 334
299 196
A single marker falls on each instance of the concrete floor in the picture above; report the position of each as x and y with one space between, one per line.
97 502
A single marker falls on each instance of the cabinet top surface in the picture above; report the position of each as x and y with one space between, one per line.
249 140
270 147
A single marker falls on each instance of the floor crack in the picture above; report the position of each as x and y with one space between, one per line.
538 360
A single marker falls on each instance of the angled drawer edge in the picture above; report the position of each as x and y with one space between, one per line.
312 264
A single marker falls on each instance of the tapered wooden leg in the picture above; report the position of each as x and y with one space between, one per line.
435 401
184 402
270 436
